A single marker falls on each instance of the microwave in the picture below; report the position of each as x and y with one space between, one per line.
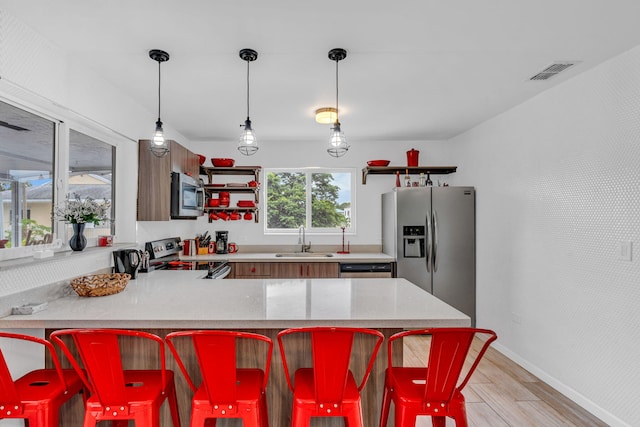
187 196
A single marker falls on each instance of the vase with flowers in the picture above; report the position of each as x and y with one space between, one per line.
78 212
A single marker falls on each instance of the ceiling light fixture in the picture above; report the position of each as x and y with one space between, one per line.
337 144
248 144
326 115
159 145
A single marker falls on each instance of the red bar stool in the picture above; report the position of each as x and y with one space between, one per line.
328 388
432 390
38 395
226 391
118 394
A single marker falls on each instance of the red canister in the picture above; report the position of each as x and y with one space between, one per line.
412 157
224 198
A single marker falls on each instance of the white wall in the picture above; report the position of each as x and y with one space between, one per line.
558 189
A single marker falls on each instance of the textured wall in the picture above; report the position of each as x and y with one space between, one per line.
558 188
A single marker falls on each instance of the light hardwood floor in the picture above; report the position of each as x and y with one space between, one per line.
501 393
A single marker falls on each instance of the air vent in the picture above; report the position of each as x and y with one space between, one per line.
10 126
553 69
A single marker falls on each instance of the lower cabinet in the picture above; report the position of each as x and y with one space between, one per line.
305 270
250 270
284 270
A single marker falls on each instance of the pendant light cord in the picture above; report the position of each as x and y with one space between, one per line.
159 62
337 114
248 89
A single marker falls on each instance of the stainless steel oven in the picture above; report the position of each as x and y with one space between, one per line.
165 255
187 196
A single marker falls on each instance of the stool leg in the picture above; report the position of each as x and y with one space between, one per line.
386 405
173 404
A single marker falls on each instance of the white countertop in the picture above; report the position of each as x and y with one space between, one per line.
271 257
180 299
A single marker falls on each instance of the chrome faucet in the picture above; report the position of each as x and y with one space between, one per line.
301 240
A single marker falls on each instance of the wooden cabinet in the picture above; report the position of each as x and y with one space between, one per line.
154 178
183 160
212 189
305 270
284 270
251 270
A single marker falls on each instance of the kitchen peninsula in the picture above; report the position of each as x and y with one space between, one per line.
164 301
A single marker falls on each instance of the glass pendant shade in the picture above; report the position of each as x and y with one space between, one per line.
159 147
248 143
337 143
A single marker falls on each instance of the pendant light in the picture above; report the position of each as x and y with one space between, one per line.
337 144
248 143
159 146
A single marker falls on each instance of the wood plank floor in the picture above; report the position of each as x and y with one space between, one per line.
501 393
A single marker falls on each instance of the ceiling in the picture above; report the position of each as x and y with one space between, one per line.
415 69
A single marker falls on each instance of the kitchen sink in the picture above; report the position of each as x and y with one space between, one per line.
304 255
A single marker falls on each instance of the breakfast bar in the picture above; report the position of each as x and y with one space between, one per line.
165 301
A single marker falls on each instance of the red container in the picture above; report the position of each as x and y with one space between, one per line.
412 157
224 198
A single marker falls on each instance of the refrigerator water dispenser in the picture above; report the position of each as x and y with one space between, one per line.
414 238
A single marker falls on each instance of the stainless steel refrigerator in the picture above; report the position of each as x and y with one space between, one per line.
431 233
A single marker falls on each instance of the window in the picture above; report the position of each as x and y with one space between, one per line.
90 175
29 168
27 144
319 199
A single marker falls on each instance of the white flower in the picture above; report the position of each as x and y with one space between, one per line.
78 211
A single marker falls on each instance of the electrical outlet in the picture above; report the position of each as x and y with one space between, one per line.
624 250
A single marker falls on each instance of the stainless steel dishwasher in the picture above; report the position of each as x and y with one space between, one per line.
367 269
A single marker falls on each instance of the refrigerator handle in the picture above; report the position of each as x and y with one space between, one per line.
435 241
428 238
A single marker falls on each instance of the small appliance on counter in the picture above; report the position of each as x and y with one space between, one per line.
127 261
222 237
164 254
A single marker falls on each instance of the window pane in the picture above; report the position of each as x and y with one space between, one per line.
330 200
286 200
26 177
319 199
91 175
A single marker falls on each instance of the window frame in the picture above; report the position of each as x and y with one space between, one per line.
308 172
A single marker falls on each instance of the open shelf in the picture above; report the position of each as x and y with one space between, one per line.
210 188
236 170
391 170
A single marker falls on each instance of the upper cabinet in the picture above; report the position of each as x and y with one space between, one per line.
184 161
154 178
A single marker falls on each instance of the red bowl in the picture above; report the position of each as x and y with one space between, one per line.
378 162
201 159
223 163
214 203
